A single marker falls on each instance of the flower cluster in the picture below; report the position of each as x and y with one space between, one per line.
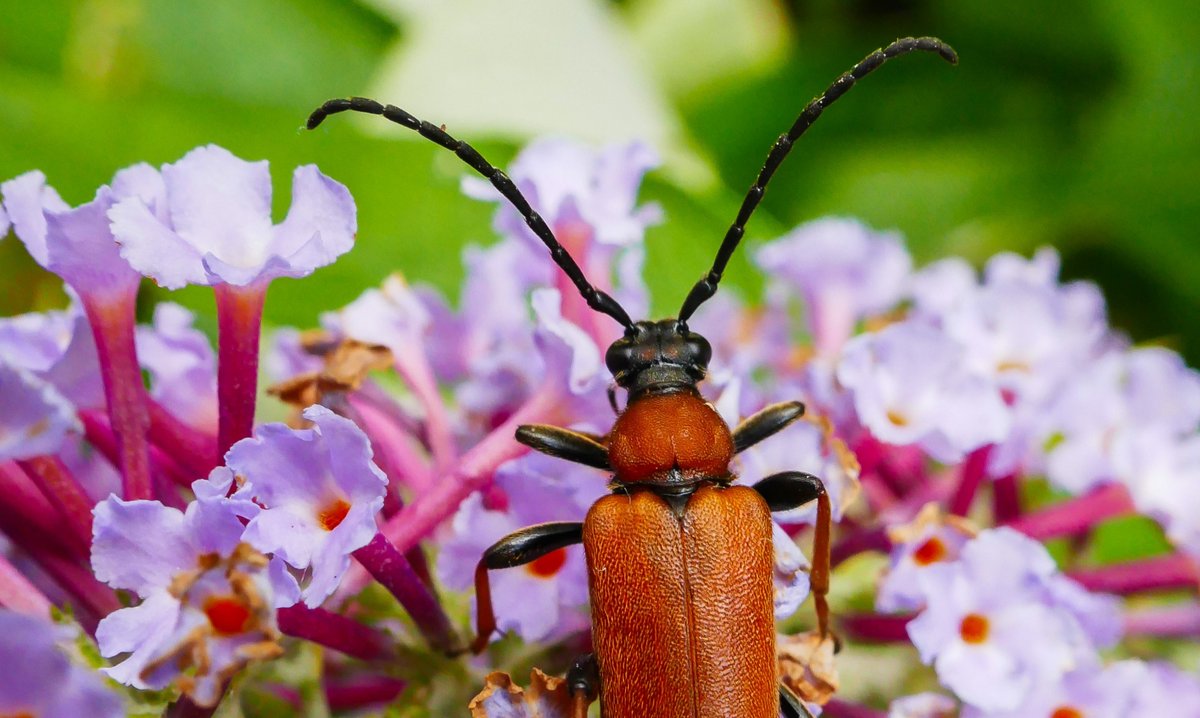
971 429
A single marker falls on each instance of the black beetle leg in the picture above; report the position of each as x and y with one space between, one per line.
516 549
767 422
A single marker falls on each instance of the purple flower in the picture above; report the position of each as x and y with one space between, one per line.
932 539
546 599
910 386
319 491
576 188
1094 426
1160 689
38 680
1089 691
76 244
181 364
923 705
842 269
209 599
986 627
211 223
36 418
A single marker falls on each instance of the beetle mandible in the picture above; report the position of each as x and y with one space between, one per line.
679 559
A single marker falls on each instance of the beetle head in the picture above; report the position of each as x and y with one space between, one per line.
658 354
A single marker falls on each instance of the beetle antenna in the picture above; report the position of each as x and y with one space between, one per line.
596 299
707 286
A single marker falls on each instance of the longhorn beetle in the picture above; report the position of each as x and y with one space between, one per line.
679 560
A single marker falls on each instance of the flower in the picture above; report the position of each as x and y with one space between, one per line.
209 599
181 364
76 244
923 705
932 539
38 680
910 386
319 492
36 418
545 599
842 269
210 223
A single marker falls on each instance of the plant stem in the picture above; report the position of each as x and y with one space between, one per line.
239 325
332 630
394 572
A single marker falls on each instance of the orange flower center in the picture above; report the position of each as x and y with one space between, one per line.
1066 712
974 628
227 614
548 565
897 418
332 514
932 551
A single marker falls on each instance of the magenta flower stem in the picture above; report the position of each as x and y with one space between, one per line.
192 448
354 693
837 708
474 470
59 485
389 567
1178 621
875 627
112 320
101 436
25 503
332 630
1076 514
873 538
239 325
1153 574
413 367
395 448
974 469
91 595
349 694
18 594
1006 499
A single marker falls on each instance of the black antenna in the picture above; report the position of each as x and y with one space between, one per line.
596 299
707 286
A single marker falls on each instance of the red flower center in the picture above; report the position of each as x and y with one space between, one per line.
227 614
932 551
548 565
1066 712
974 628
332 514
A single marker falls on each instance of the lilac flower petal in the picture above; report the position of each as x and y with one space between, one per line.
26 199
791 574
144 183
220 205
569 349
320 492
319 227
182 366
217 224
36 418
39 680
122 556
141 631
923 705
150 246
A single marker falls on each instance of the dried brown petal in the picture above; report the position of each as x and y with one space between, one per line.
806 665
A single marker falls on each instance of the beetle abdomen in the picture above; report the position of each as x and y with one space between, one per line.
682 613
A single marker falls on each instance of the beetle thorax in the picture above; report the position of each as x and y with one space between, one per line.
670 438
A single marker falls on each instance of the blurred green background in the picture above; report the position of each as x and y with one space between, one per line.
1071 123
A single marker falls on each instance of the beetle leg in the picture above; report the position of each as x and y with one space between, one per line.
788 490
790 705
767 422
516 549
583 680
574 446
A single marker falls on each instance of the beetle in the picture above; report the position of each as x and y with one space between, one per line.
679 559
